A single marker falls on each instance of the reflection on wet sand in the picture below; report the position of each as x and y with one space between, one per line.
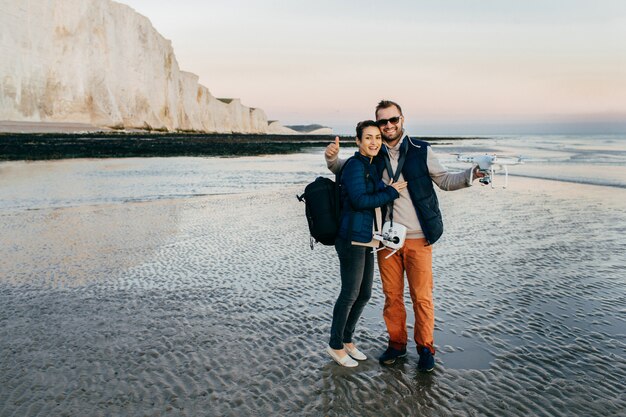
79 246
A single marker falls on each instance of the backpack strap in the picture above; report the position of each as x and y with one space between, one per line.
338 197
338 192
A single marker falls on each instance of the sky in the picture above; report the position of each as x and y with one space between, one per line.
457 67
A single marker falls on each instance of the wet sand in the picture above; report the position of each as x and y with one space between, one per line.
216 306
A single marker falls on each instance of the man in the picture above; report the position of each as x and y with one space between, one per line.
406 159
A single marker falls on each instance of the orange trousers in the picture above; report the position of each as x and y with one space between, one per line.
415 258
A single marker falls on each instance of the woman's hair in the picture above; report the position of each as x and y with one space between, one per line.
362 125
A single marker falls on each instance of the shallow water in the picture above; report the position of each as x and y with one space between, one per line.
599 160
79 182
215 305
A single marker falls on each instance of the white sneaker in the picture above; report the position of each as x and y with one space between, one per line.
346 361
355 353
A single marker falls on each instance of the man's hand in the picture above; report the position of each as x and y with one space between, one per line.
332 149
477 172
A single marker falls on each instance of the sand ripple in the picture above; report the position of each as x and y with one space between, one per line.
216 306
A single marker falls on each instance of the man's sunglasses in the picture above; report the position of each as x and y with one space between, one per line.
393 120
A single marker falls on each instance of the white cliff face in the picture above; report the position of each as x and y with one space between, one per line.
102 63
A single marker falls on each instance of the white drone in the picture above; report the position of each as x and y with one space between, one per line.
486 165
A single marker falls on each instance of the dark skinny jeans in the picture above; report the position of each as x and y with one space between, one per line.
357 273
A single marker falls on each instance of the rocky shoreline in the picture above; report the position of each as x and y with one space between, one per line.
46 146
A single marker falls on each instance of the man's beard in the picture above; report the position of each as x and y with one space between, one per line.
391 139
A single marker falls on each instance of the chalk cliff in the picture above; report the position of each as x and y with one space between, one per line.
99 62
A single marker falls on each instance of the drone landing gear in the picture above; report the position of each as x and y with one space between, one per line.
506 176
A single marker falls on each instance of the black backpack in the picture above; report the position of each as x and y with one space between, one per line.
322 206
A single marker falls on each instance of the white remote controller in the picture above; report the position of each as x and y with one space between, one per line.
392 235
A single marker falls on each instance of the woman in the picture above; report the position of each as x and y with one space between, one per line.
362 193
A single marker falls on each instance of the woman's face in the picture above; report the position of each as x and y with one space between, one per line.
370 142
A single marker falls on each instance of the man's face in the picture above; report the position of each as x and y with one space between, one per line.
392 132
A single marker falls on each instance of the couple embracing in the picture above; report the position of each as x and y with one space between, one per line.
389 178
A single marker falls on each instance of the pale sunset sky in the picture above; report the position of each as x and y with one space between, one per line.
457 67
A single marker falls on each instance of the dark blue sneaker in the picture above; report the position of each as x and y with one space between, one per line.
390 355
427 360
